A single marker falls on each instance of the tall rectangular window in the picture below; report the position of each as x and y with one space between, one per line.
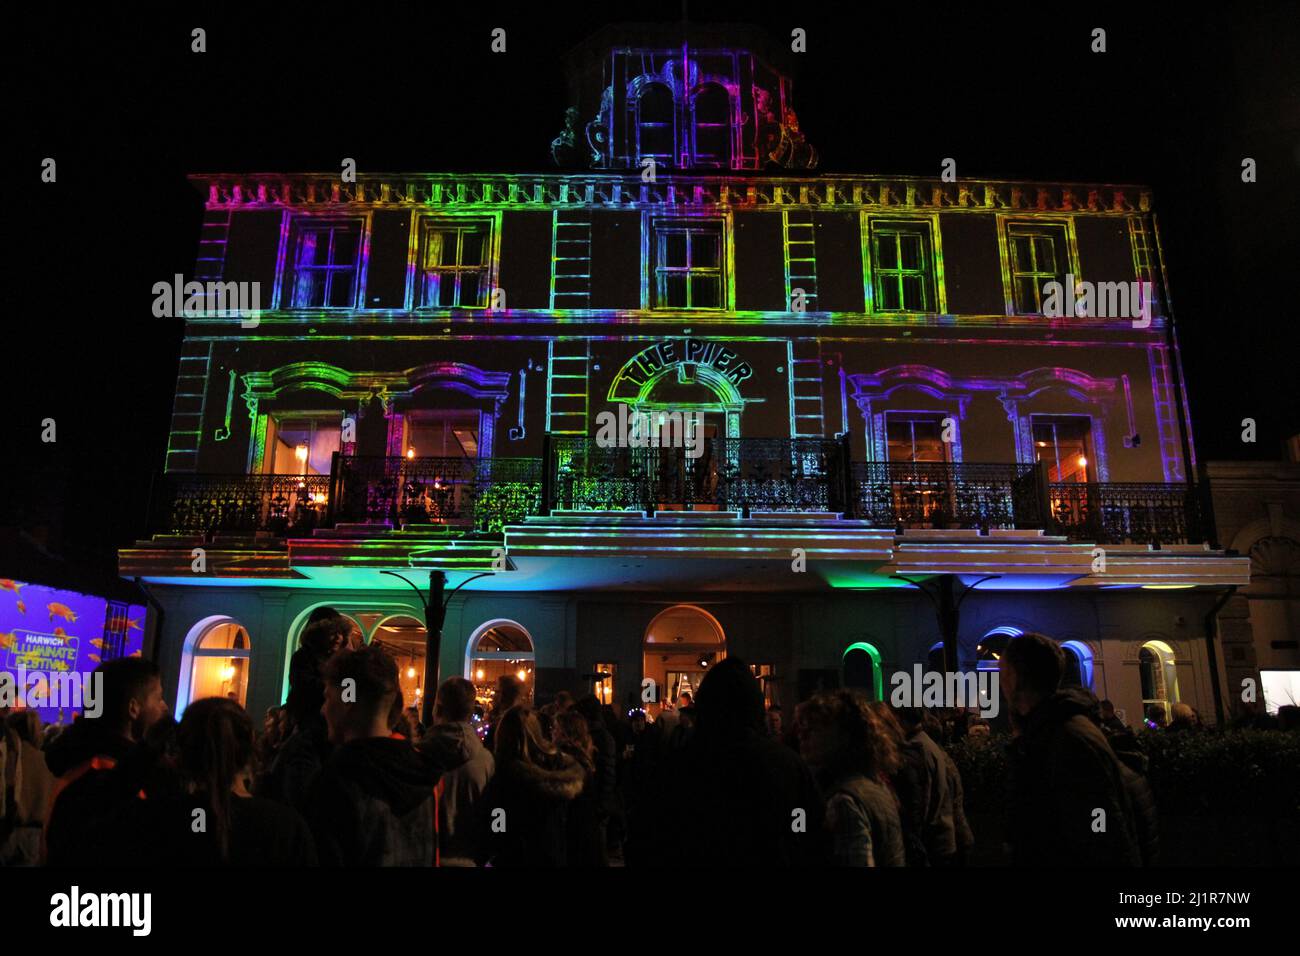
1037 253
688 264
455 263
902 266
912 437
326 262
301 443
1063 443
442 434
603 688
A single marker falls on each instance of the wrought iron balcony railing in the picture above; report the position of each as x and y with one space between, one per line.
481 494
744 475
239 504
1129 512
720 474
944 495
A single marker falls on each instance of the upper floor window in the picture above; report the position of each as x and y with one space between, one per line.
711 126
902 266
1037 253
656 132
442 434
455 262
301 443
1063 443
912 437
688 270
326 260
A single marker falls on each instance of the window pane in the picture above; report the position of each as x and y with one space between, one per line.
469 289
705 292
309 290
674 285
887 251
345 247
340 289
471 248
434 248
913 294
889 300
704 250
1045 251
674 250
910 244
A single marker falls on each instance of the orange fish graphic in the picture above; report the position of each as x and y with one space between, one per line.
7 585
61 610
22 608
93 657
6 640
130 625
97 642
60 632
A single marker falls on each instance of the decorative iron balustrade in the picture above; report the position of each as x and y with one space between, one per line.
944 495
482 494
728 474
239 504
1127 512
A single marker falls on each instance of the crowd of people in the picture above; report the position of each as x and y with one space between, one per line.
345 774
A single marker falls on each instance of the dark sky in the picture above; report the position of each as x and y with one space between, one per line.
127 110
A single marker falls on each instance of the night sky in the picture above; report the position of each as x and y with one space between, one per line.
127 110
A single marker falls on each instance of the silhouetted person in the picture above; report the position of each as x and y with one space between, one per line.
851 751
523 813
944 830
373 803
585 825
509 690
1067 804
85 792
732 793
466 764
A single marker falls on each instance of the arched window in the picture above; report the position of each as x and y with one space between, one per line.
655 124
215 663
934 657
1156 666
991 647
497 649
1078 665
862 670
403 638
711 126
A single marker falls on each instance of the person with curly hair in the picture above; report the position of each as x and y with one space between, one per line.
852 751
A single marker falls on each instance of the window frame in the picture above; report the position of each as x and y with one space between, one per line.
1091 471
1006 224
287 275
416 272
936 287
653 226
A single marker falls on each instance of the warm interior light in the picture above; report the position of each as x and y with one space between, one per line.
1083 462
419 691
522 674
301 452
410 672
478 674
410 453
228 672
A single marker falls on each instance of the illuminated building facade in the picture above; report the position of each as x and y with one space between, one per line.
888 414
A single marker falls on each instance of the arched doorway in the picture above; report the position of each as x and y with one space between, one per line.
862 670
497 649
403 637
681 644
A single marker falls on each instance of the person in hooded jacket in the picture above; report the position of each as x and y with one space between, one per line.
1133 766
732 793
585 824
373 803
1067 804
467 766
86 793
523 813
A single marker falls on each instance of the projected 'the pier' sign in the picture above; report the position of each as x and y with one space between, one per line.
687 356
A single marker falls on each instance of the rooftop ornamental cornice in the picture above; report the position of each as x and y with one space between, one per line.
322 191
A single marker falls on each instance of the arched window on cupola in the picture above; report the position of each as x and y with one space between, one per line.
656 128
711 126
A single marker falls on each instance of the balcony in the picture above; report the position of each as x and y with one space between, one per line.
737 475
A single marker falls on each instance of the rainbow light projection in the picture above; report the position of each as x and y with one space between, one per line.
715 123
